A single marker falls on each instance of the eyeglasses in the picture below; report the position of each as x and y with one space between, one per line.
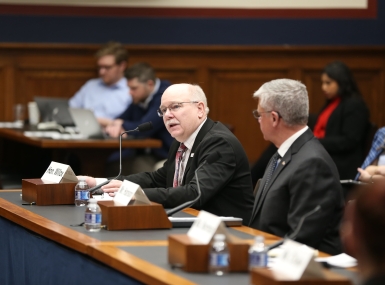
257 114
106 67
173 107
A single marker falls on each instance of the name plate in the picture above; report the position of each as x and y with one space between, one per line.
296 261
206 226
129 190
58 172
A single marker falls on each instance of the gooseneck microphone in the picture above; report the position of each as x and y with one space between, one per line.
141 128
210 159
294 234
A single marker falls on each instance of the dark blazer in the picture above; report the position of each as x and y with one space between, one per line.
345 135
305 177
225 184
136 115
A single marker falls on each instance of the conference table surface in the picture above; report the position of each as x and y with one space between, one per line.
140 254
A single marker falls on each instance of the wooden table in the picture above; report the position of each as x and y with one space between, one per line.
109 252
92 153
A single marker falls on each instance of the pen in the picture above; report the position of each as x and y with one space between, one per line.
30 204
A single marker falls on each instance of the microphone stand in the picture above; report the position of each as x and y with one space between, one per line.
141 128
210 159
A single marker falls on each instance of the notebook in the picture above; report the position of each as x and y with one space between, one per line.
54 109
87 124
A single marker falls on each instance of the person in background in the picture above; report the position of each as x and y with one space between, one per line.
343 122
363 232
225 183
107 96
300 176
374 163
146 91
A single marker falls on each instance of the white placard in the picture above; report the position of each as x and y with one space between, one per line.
205 226
127 191
58 172
296 261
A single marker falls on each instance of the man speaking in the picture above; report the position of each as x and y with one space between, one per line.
225 184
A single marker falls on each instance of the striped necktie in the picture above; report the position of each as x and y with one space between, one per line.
178 165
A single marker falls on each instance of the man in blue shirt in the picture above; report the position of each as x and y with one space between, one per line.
108 96
146 91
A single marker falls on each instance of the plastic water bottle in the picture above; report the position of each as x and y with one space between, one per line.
81 193
258 253
219 256
93 216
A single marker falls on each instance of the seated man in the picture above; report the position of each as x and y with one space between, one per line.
374 164
225 184
363 232
146 91
300 176
107 95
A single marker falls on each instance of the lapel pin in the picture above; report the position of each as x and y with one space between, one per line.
192 155
283 162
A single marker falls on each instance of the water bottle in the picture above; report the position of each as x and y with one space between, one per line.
219 256
258 253
81 193
93 216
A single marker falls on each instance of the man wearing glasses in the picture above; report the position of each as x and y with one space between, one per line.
225 184
300 176
108 96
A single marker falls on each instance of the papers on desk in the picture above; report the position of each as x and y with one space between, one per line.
341 260
11 125
186 222
53 135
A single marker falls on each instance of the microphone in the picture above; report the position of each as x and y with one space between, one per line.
141 128
210 159
294 234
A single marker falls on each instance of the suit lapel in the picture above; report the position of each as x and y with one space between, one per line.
201 134
295 147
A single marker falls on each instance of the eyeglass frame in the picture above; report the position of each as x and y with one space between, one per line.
161 114
259 113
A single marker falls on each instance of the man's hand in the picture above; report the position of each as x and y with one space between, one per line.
114 129
104 122
91 181
112 187
364 175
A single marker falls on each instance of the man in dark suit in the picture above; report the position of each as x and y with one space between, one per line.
300 176
225 184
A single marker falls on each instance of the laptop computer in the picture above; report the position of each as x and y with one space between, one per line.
87 123
54 109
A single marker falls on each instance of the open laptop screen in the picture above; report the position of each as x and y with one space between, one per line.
54 109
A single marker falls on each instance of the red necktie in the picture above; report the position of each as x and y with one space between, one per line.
178 164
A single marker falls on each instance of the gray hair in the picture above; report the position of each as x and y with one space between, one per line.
287 97
197 94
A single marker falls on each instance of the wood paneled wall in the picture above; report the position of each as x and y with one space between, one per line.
228 75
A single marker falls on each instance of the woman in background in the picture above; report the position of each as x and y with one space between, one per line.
343 122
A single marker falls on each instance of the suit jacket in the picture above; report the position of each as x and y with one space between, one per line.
345 135
225 184
305 177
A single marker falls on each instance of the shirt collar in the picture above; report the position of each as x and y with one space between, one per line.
287 143
190 141
122 83
144 104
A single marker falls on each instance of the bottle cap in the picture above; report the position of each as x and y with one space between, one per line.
259 239
219 237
